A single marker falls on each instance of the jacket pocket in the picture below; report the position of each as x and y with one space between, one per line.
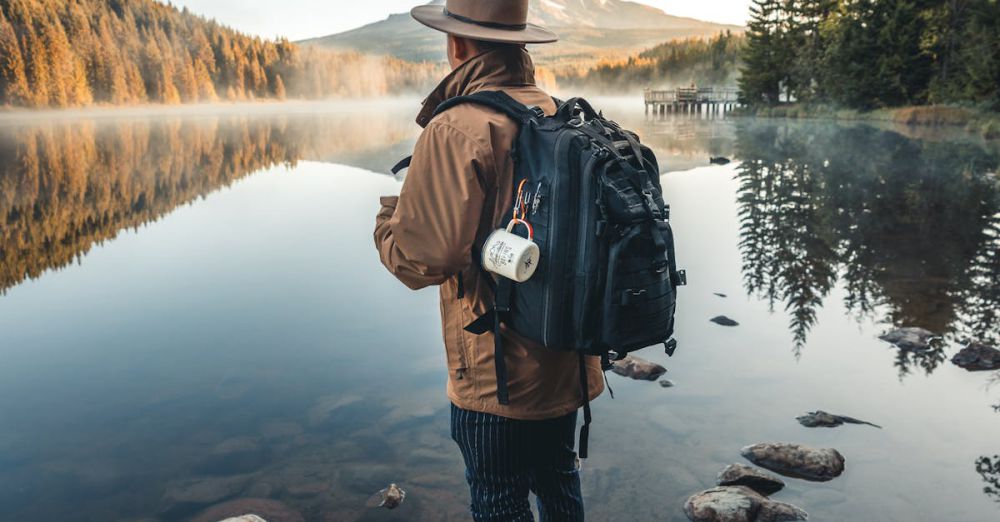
452 316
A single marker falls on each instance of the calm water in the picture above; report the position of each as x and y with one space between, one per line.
193 310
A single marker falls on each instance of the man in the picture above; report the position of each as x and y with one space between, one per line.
458 189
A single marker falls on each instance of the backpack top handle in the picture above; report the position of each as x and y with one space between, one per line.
566 110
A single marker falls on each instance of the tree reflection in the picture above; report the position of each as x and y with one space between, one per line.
989 469
909 226
67 185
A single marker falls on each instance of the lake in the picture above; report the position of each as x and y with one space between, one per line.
193 310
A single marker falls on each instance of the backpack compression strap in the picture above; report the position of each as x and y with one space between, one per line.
503 103
497 100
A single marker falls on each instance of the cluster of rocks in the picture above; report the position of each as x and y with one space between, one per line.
975 357
743 492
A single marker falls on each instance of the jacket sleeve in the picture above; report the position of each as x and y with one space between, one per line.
428 236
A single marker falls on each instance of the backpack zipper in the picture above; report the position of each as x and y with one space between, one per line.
554 208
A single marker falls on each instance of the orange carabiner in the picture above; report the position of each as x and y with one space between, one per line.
519 202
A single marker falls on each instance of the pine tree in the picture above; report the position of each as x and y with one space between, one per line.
760 82
13 77
279 88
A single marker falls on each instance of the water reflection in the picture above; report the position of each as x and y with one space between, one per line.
989 469
68 185
259 361
910 227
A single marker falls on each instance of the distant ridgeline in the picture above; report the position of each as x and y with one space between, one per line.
67 185
704 61
867 54
63 53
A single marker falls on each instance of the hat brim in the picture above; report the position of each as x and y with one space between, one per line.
433 16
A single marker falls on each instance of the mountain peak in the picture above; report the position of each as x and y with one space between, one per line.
586 28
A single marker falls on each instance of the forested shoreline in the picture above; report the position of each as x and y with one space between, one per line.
705 61
72 53
870 54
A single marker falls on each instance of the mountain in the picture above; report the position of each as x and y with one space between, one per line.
588 30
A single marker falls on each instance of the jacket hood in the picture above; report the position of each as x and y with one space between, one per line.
489 70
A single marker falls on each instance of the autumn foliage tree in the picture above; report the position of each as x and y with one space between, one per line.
64 53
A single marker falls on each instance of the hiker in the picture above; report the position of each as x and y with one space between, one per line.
458 186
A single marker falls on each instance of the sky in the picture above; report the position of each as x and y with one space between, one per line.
300 19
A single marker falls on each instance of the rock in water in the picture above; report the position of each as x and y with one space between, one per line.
638 368
268 509
721 295
739 504
389 498
666 383
977 357
186 496
909 338
245 518
718 160
724 321
822 419
796 460
760 481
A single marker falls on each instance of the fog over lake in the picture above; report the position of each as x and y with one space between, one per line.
190 297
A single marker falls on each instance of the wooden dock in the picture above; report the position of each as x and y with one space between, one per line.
691 100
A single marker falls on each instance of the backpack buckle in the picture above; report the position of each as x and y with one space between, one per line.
682 278
670 346
631 295
537 111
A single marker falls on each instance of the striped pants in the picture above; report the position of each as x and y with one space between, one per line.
507 458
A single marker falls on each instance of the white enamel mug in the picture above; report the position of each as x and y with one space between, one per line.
510 255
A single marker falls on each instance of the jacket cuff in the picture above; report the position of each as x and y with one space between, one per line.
388 206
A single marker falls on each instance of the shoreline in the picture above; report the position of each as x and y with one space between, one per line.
982 123
261 106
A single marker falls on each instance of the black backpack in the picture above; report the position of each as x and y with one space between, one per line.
606 280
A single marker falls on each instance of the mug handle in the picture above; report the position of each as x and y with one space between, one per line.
514 222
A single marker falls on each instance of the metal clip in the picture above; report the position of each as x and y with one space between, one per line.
670 346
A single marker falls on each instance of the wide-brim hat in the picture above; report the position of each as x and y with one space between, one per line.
503 21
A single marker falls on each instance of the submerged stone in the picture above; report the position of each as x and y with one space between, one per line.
235 455
758 480
264 508
721 295
738 504
389 498
977 357
310 489
638 368
724 321
186 496
822 419
797 460
666 383
909 338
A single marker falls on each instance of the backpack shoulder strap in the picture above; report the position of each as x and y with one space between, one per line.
497 100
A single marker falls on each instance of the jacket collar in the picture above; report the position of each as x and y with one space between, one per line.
489 70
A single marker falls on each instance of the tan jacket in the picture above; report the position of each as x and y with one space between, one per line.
457 190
